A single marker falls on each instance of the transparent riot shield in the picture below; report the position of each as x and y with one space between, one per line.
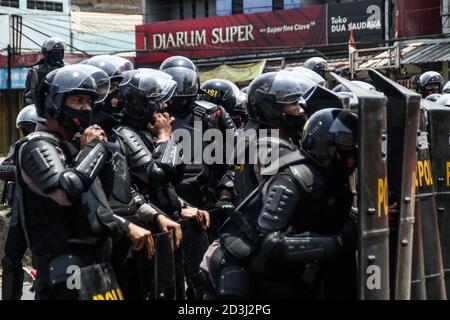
402 124
373 241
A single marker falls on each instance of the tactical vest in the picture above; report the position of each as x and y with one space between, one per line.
324 210
116 180
49 226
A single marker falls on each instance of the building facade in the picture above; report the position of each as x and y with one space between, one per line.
160 10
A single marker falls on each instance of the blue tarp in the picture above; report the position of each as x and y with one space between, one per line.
18 77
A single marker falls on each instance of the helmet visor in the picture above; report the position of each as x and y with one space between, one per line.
309 74
150 83
345 129
112 65
81 77
289 88
186 80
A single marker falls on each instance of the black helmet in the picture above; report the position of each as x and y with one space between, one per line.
27 116
446 88
224 93
432 79
63 82
114 66
309 74
27 119
269 93
444 100
362 84
142 90
325 131
317 64
184 72
53 51
433 97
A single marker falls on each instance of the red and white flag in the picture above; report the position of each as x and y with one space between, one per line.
351 43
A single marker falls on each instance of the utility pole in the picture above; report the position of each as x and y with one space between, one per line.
9 103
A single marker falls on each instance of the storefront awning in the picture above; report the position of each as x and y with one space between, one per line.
413 52
237 73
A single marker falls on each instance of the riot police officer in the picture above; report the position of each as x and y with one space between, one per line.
15 244
430 82
318 65
66 218
226 94
279 241
53 54
199 181
274 102
124 200
152 156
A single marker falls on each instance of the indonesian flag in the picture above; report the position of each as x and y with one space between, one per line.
397 24
351 43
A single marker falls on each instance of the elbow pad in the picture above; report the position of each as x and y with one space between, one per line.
301 248
90 162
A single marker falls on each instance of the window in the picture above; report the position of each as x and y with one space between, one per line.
9 3
49 6
180 5
45 5
277 4
206 8
237 6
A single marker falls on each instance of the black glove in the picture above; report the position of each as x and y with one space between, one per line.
347 238
224 203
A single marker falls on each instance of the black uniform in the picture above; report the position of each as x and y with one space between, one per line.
53 51
15 243
280 242
34 77
65 211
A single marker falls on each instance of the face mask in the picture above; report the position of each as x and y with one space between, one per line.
345 161
181 106
112 103
75 120
104 119
298 122
55 58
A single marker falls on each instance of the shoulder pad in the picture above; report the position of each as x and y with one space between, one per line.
280 203
138 153
308 176
41 135
274 142
41 161
272 147
286 160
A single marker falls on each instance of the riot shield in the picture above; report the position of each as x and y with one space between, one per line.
425 183
418 287
373 234
402 124
320 98
439 132
179 275
164 267
98 282
194 245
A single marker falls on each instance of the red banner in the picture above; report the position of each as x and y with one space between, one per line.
231 35
419 18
